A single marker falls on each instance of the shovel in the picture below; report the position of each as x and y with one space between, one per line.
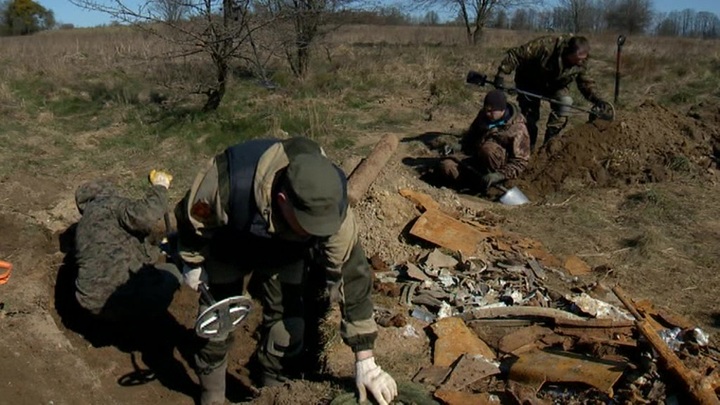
512 196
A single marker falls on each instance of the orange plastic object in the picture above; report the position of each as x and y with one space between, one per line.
5 270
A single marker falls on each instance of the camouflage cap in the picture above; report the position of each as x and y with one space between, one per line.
317 192
91 190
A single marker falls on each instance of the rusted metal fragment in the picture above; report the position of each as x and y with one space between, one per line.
367 171
468 370
537 367
454 339
599 334
514 341
537 269
671 319
415 272
378 264
545 257
576 266
421 200
445 231
519 312
465 398
595 323
433 375
700 388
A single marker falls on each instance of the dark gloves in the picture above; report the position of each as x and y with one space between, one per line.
499 82
492 179
602 109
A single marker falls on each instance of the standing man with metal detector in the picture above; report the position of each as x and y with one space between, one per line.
546 66
272 208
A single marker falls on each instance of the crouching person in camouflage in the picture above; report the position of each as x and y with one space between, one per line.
121 276
267 207
495 148
546 66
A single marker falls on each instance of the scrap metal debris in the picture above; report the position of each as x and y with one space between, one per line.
540 330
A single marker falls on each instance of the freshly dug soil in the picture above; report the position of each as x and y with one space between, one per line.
651 144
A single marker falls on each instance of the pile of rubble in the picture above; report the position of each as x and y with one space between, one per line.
510 321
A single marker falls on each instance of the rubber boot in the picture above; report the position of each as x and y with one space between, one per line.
213 386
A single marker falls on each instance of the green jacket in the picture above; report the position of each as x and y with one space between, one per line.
539 68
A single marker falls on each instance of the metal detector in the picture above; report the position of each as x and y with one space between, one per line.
481 80
221 317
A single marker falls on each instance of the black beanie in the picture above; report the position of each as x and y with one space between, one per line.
496 100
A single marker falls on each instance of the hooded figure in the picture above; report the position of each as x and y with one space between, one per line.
117 272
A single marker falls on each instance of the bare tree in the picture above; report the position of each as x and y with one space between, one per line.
307 20
630 16
219 30
579 13
475 14
170 10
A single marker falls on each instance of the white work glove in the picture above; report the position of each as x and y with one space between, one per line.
369 376
193 276
160 178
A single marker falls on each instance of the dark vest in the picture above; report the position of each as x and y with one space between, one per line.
242 161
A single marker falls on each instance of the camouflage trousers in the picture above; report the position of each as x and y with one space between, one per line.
491 157
147 294
530 108
279 274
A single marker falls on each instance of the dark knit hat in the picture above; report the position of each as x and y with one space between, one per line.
495 100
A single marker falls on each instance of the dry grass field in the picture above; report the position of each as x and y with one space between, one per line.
84 103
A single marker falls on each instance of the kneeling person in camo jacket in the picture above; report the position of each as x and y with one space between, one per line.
121 276
268 207
494 149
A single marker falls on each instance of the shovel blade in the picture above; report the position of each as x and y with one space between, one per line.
514 197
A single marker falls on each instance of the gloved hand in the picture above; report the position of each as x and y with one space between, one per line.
193 276
499 82
369 376
491 179
160 178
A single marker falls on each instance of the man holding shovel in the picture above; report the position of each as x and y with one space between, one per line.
546 66
495 148
270 208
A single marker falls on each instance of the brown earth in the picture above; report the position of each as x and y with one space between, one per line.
651 144
48 359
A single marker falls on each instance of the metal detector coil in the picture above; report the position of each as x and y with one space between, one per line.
221 318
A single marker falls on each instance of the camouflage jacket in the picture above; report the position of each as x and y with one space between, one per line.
110 239
539 68
512 134
358 329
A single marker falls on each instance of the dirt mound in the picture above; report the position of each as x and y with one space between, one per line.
650 145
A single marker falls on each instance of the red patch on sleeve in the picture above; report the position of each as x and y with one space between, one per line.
201 211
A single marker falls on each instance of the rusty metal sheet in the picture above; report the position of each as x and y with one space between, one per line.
443 230
454 339
537 367
421 200
433 375
515 340
576 266
465 398
468 370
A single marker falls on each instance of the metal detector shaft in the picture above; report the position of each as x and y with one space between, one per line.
481 80
206 293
